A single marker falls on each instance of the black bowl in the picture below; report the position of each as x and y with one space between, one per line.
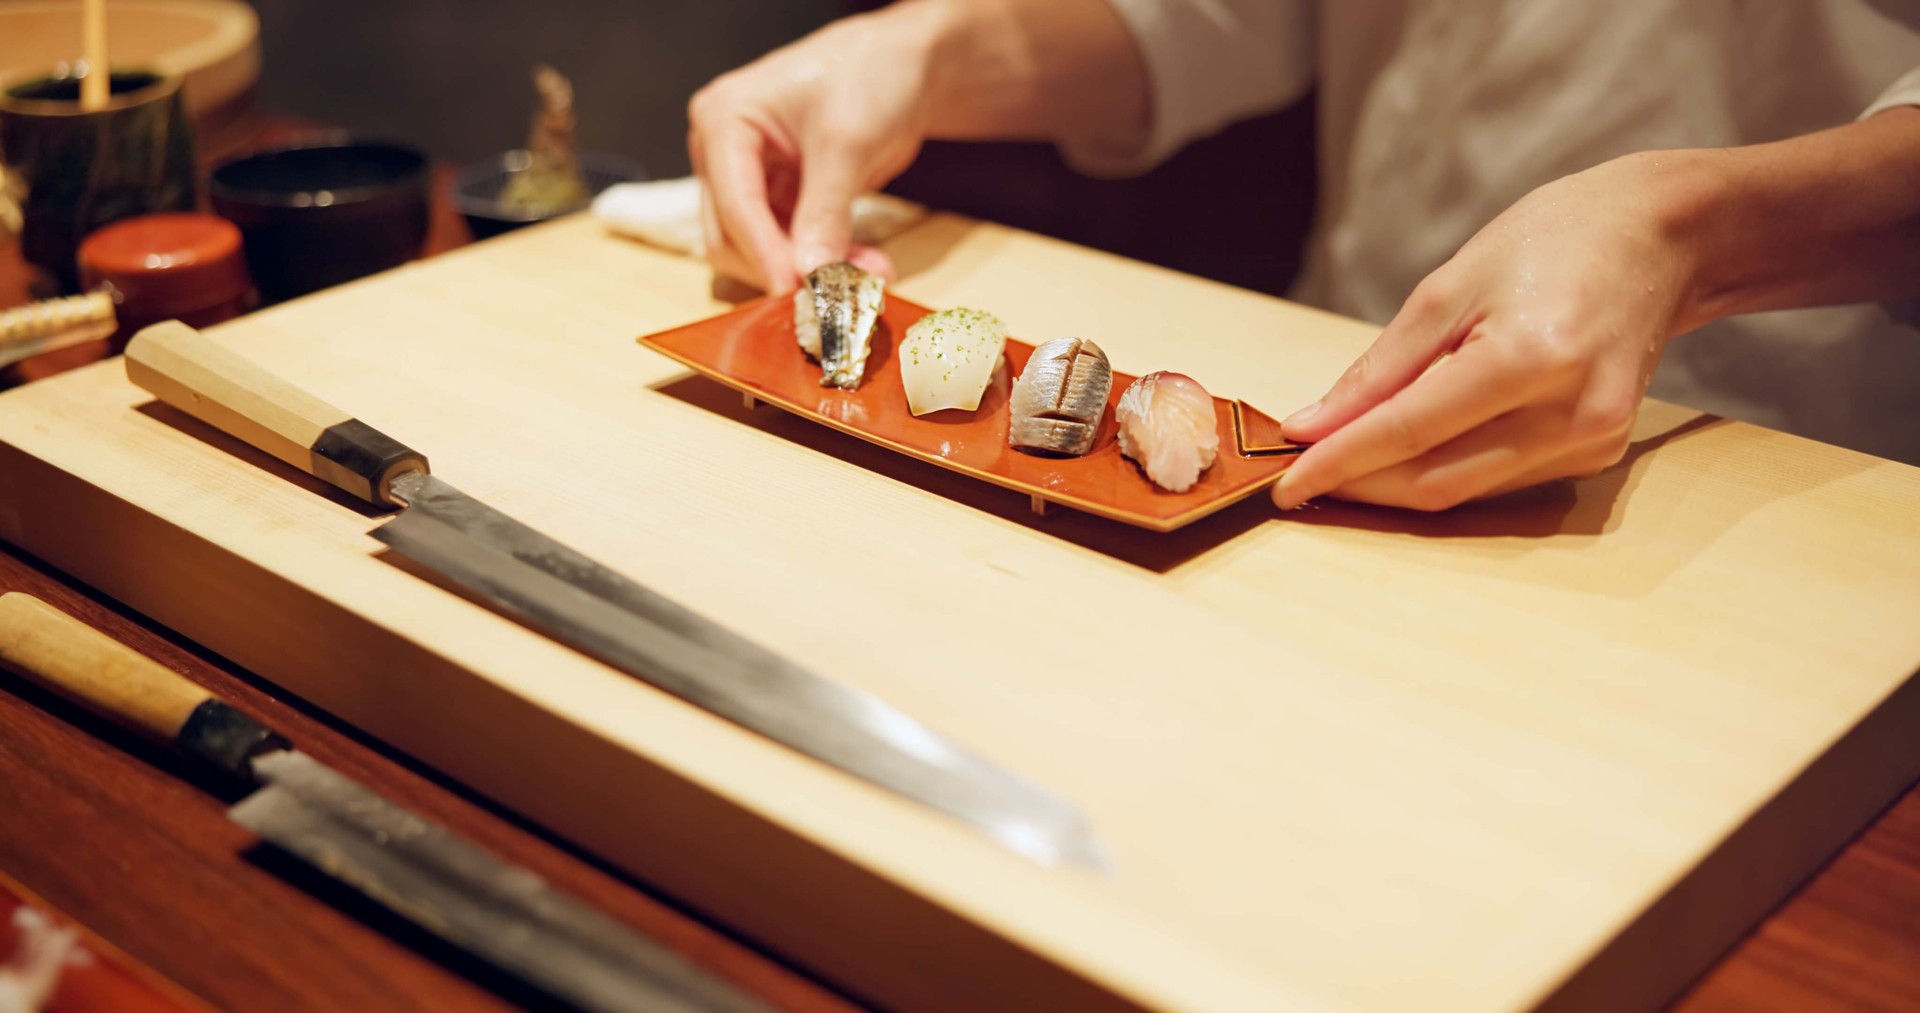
477 190
318 215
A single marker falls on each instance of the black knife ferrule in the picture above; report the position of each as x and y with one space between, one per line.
217 736
362 460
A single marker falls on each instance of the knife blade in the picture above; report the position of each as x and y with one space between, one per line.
410 865
536 580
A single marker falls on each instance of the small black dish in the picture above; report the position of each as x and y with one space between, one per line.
477 190
318 215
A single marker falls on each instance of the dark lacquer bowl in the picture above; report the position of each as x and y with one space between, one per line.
318 215
477 190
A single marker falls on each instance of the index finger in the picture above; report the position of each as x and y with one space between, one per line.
1470 388
733 163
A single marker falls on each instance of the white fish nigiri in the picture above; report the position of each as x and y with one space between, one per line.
1167 424
948 358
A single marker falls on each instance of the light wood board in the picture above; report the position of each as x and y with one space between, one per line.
1557 748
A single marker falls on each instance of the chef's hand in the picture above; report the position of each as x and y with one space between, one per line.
1524 358
1520 360
785 143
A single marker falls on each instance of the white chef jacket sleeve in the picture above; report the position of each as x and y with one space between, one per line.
1904 92
1210 63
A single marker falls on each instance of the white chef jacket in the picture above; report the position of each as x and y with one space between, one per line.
1436 115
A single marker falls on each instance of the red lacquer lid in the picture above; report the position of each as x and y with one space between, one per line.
166 265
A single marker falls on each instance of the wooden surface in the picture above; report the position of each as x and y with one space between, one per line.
121 841
1580 737
112 832
95 974
195 375
1849 941
212 43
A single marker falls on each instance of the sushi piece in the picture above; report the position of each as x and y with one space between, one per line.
833 316
1059 398
1167 424
948 359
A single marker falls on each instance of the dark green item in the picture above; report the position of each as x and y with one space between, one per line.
75 171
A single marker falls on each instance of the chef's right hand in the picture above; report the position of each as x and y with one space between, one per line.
785 143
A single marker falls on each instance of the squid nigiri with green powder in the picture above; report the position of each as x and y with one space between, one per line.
948 359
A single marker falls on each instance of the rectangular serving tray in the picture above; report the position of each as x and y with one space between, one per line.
753 350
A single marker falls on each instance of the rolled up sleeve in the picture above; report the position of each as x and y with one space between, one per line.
1210 63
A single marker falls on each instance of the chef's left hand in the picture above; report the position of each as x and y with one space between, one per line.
1520 360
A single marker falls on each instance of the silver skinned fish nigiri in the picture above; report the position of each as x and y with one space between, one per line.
833 315
1059 398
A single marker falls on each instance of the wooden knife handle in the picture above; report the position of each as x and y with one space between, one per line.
61 654
213 384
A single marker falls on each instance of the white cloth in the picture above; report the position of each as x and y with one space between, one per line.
1436 115
666 213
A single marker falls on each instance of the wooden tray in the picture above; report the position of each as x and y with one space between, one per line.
752 349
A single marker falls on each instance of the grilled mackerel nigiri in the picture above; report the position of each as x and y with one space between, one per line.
1059 398
833 315
1167 424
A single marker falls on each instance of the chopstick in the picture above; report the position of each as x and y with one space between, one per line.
29 330
93 48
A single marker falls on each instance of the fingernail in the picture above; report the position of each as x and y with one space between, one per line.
1303 414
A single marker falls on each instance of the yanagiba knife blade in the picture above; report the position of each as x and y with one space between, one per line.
581 603
410 865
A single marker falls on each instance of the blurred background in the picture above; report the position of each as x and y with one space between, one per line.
451 76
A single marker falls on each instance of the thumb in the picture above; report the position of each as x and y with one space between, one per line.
822 228
1405 348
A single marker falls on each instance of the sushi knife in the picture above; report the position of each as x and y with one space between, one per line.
414 867
551 588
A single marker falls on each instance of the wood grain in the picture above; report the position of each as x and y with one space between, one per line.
1849 941
109 830
210 382
1480 748
58 653
102 978
117 838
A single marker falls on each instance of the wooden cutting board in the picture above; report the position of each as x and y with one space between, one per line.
1562 747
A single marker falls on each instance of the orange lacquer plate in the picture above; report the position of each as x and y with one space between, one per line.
753 350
